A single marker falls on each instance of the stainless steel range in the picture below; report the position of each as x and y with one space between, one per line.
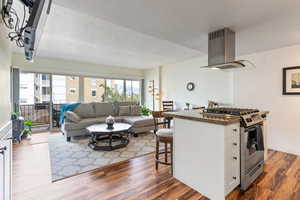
252 144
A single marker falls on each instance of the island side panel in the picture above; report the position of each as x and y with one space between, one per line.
199 156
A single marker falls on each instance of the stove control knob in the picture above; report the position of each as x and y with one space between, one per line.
248 120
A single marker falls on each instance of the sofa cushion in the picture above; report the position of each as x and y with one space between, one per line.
124 110
83 123
135 110
139 121
72 116
119 119
103 109
125 103
85 110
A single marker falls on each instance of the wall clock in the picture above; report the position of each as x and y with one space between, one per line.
190 86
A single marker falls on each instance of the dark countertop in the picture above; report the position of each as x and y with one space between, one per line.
220 119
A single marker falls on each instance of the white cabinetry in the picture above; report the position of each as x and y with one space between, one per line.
5 165
232 155
207 156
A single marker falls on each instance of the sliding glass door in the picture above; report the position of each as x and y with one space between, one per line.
41 95
35 98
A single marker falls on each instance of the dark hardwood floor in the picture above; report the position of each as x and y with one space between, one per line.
136 179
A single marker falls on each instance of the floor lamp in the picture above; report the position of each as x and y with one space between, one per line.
154 93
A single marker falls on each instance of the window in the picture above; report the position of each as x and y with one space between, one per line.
72 90
94 92
45 77
133 92
27 88
93 81
65 89
94 89
114 90
128 90
136 91
45 90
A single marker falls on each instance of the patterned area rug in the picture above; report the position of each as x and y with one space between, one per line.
75 157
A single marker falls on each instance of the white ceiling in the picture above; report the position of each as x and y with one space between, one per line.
141 33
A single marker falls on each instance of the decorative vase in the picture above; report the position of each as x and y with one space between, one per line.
110 120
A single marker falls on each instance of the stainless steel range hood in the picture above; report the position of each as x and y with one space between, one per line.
221 51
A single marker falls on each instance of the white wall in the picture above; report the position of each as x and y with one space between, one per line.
262 88
209 85
259 87
69 67
5 63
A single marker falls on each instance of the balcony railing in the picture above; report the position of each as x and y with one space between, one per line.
39 113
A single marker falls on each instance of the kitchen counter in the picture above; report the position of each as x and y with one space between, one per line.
204 117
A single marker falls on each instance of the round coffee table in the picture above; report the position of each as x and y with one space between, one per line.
110 139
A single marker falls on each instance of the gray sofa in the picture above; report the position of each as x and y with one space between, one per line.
87 114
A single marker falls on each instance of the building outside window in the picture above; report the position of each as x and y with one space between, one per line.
93 89
45 90
93 81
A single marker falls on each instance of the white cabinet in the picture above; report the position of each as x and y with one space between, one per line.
5 164
2 175
232 158
207 156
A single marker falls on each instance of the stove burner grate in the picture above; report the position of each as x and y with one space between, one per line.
231 111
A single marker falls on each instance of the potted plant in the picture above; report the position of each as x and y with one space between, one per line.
27 128
145 111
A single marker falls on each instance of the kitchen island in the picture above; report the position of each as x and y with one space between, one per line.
207 152
218 149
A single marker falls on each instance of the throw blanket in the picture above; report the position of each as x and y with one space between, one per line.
64 108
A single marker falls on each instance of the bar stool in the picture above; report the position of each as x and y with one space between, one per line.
165 136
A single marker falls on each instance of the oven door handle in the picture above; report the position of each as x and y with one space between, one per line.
252 128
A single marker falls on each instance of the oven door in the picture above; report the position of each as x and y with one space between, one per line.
249 143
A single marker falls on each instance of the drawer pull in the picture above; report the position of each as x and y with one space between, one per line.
234 177
234 157
235 130
235 144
